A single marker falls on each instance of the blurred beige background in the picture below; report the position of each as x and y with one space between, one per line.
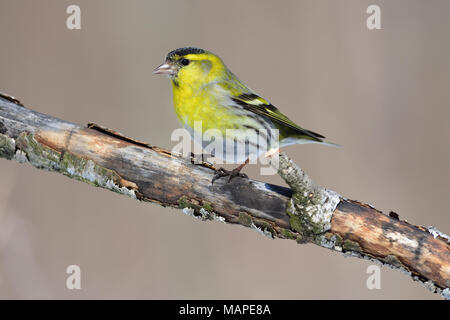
384 95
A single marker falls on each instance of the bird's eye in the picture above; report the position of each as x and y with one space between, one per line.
184 61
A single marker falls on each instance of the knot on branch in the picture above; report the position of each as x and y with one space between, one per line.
311 207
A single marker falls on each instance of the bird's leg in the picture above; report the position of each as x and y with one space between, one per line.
236 172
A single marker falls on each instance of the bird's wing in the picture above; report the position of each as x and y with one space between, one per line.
258 105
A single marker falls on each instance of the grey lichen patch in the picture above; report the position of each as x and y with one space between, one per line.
207 206
210 215
87 171
111 185
184 202
20 156
202 211
189 212
265 226
256 224
446 293
7 147
261 230
430 285
436 233
330 241
311 207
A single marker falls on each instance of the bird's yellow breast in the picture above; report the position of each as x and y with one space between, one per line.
203 104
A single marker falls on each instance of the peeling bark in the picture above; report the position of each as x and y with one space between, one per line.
304 212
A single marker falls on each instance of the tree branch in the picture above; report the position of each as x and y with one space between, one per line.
304 213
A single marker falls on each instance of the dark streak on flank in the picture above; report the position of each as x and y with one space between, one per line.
257 131
266 123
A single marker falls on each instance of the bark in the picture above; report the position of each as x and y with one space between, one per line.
304 212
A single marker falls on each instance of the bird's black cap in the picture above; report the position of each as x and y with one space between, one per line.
184 51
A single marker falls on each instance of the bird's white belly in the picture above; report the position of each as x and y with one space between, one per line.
235 147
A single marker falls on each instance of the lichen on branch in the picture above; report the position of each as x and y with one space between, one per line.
311 207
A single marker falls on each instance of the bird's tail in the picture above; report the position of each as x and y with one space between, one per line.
313 137
330 144
306 140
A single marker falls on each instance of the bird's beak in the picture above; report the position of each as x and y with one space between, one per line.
166 68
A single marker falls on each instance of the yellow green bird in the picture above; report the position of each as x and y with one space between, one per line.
205 91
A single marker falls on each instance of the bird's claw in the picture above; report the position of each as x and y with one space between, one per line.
219 173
